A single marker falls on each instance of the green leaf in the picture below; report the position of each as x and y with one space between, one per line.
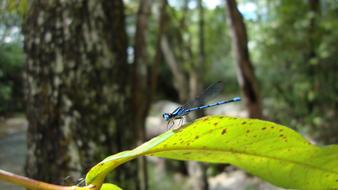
273 152
109 186
97 174
105 186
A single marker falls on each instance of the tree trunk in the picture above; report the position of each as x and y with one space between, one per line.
141 96
180 81
196 80
158 53
311 55
245 70
76 87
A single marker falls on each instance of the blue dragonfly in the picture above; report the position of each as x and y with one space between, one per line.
198 103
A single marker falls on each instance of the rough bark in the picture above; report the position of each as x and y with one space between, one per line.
76 87
245 70
141 97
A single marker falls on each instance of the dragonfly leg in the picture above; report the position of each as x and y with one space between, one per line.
81 182
170 124
180 122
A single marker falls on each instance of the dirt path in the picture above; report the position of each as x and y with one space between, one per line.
12 148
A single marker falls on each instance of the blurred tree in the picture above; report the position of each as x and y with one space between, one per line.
176 51
245 70
78 105
198 171
141 95
314 11
198 67
158 52
187 65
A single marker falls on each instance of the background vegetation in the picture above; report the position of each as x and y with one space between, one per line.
293 47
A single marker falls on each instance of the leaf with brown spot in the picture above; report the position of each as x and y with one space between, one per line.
224 131
289 162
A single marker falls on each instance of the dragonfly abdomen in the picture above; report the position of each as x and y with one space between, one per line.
236 99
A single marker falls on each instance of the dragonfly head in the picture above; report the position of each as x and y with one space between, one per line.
166 116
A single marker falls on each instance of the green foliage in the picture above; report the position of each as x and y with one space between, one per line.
11 58
218 49
20 6
265 149
11 68
295 52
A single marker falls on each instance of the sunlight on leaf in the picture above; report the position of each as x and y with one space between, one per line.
273 152
97 174
109 186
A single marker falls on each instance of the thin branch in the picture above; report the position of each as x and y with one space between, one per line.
31 183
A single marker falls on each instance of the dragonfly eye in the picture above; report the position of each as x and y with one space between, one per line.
166 116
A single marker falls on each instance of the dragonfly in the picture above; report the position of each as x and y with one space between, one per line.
198 103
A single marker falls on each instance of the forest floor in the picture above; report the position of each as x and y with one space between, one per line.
13 151
12 147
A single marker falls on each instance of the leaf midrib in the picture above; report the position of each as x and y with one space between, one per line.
243 153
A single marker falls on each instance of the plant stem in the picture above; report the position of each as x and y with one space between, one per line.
31 183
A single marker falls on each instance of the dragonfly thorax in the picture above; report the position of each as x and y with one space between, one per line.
167 116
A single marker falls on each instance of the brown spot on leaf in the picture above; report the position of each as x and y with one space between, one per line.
244 122
209 131
186 153
247 131
178 130
280 130
272 127
263 128
281 135
224 131
196 137
216 123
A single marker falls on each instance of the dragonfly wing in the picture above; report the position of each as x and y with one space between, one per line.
209 93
